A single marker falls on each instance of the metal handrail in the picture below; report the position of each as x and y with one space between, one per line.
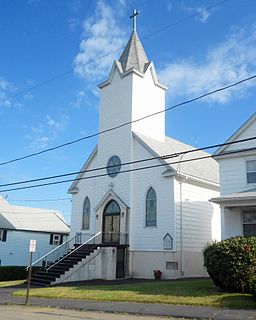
96 235
50 252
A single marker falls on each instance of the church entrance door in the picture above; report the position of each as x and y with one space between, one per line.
111 223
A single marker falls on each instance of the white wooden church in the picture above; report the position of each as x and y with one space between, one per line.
145 215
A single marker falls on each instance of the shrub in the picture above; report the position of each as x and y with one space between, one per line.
232 263
8 273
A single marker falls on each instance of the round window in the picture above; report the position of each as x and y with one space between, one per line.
113 166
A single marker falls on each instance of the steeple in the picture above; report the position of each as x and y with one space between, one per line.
134 55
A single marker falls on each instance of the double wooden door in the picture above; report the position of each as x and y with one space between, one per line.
111 226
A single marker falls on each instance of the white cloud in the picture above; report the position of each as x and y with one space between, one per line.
203 12
5 89
102 35
230 61
47 131
28 96
57 125
80 100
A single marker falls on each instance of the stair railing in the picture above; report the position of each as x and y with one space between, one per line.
89 241
58 252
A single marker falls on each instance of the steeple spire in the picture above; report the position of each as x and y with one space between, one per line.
134 55
134 17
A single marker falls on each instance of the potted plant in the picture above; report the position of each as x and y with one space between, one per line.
157 274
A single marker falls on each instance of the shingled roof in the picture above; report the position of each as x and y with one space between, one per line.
134 55
206 169
31 219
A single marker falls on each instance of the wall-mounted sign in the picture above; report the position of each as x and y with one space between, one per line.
167 242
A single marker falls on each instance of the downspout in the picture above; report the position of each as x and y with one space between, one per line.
181 230
181 217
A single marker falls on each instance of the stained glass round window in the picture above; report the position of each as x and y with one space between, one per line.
113 166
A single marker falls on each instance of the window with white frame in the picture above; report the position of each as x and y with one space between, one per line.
249 223
251 171
56 239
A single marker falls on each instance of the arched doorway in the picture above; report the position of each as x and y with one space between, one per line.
111 222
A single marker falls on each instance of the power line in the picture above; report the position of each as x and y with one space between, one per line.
63 74
163 157
129 122
197 13
126 171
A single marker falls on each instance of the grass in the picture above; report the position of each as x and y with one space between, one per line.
10 283
188 292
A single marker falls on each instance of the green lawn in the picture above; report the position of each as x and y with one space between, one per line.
188 292
10 283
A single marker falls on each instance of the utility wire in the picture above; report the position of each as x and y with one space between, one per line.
63 74
163 157
130 122
127 171
197 13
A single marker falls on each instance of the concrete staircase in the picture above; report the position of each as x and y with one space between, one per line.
47 276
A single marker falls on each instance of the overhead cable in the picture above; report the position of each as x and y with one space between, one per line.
128 170
129 122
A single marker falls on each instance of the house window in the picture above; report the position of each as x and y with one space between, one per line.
151 208
251 171
249 223
86 214
3 235
56 239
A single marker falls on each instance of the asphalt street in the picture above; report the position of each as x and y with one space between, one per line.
36 313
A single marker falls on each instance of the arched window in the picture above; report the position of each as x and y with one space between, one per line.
86 214
151 208
112 208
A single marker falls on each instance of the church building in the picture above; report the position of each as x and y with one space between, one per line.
147 204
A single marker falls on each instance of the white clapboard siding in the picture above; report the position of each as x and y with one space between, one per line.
200 218
233 174
150 238
15 251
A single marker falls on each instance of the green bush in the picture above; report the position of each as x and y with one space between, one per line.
8 273
232 263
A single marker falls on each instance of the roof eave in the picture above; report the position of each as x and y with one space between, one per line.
73 188
236 134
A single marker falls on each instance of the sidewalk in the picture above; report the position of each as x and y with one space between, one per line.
189 312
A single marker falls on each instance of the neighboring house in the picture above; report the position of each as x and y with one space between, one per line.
162 214
238 182
19 225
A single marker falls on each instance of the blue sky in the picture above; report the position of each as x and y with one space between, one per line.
42 39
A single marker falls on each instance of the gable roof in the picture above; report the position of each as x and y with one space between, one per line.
31 219
236 134
134 55
206 169
110 194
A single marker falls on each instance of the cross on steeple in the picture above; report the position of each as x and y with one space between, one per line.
134 16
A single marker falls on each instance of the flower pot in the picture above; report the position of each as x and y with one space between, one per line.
157 274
